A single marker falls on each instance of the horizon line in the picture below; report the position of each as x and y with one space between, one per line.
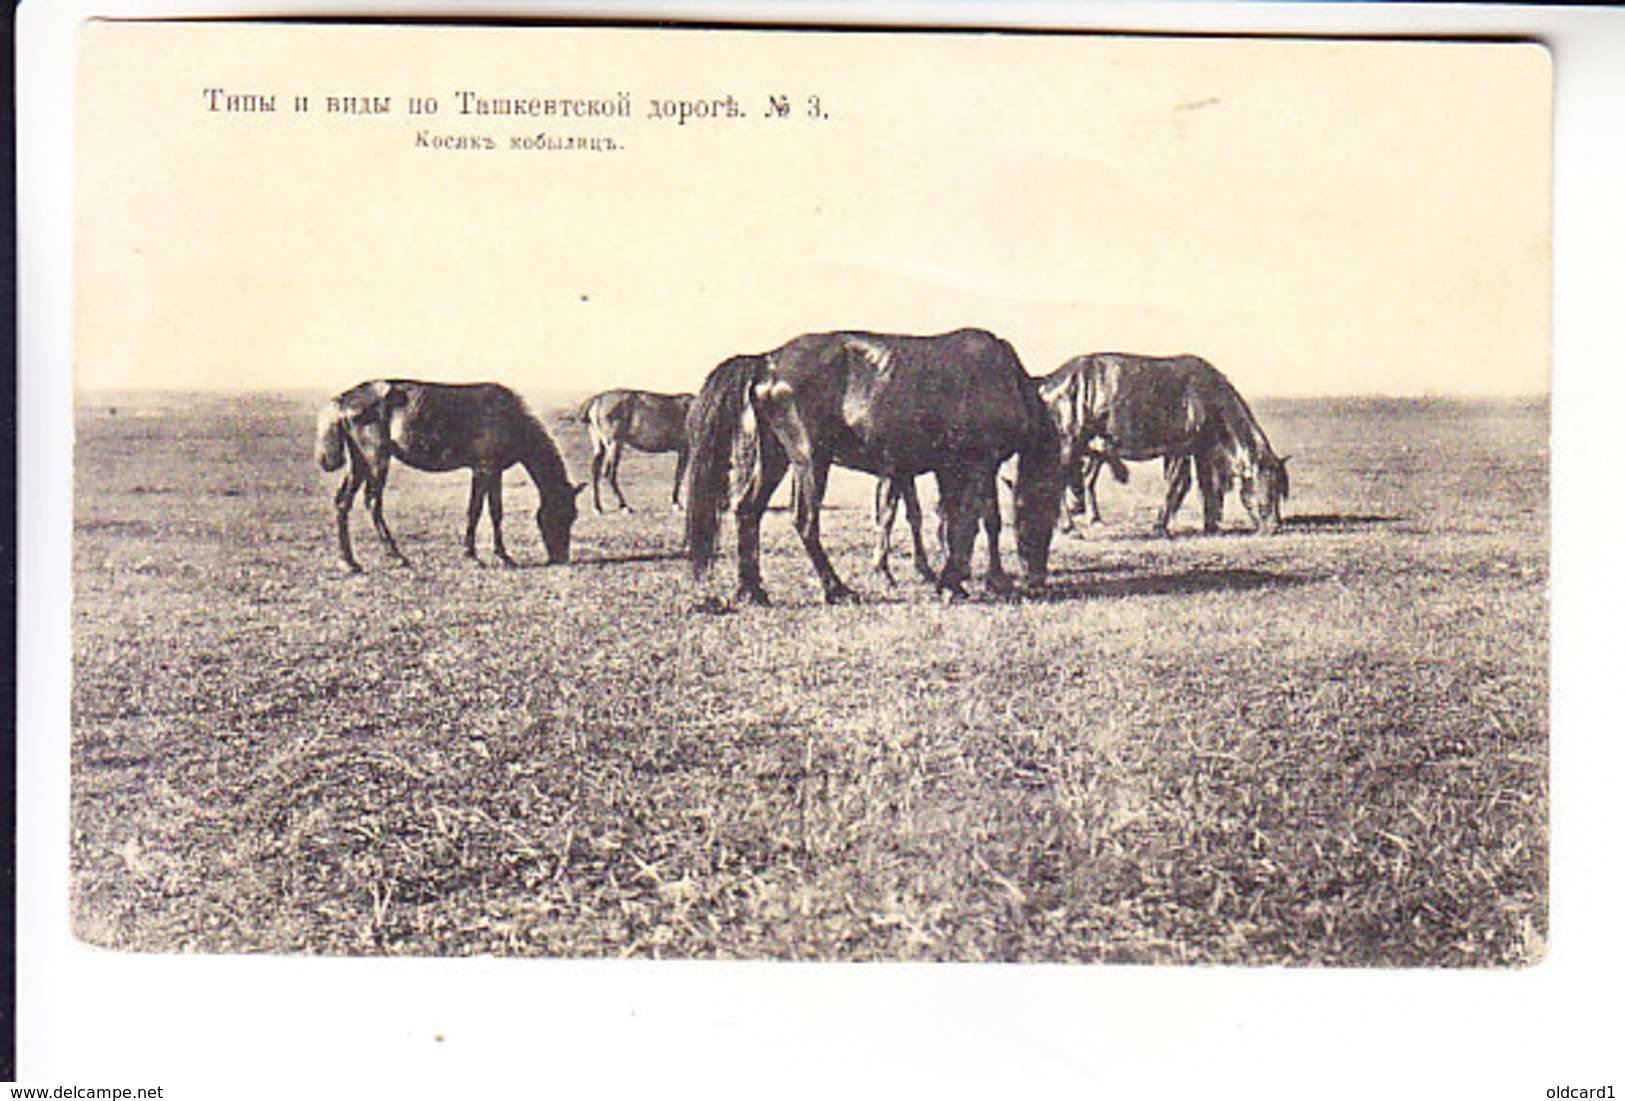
1367 395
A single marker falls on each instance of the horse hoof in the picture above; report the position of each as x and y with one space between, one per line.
712 605
508 562
953 594
751 594
842 595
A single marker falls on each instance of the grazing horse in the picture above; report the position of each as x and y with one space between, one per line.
1179 409
439 427
638 419
957 405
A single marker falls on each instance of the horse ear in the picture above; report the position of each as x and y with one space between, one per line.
576 490
1284 459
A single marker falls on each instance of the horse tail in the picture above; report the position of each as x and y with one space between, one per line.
719 437
580 413
330 437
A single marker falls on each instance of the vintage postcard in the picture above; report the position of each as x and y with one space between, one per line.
1322 744
587 492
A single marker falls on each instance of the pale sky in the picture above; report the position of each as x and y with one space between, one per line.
1313 217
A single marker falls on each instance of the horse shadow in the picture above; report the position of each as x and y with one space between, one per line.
1306 524
1088 584
1335 521
631 557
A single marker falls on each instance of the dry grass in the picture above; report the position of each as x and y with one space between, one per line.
1326 747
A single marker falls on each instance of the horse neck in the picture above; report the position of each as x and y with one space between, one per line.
1245 430
1039 474
542 461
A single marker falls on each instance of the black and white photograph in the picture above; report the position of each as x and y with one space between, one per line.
726 499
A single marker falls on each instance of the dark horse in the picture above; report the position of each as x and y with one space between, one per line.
1179 409
956 405
638 419
439 427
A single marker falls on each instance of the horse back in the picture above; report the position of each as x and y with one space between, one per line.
654 422
1144 407
438 426
646 420
901 404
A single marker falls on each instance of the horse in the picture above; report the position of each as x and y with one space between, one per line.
889 494
896 406
644 421
439 427
1180 409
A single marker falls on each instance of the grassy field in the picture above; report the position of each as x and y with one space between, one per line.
1325 747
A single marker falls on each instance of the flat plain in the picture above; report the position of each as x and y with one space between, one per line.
1328 746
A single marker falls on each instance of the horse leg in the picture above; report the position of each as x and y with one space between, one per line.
993 523
1091 501
476 504
1177 470
375 505
612 471
748 520
677 479
811 480
493 491
916 523
886 494
341 507
1076 499
597 471
961 515
1207 480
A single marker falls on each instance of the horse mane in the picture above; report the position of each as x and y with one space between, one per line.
1245 437
1240 426
579 414
543 459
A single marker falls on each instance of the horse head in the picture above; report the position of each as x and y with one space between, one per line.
1040 483
554 520
1263 491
